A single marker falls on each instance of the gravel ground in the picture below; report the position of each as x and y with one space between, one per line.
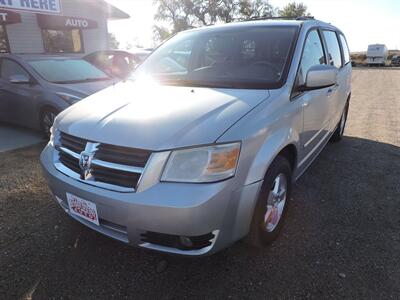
342 238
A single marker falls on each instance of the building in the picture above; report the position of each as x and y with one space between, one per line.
55 26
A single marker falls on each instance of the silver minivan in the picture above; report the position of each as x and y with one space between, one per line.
200 147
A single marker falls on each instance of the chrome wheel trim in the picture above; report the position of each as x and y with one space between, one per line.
275 203
48 120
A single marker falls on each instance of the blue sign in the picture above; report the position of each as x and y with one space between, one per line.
38 6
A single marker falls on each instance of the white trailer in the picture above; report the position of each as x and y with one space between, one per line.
377 55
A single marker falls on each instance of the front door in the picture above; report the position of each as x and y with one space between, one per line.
317 104
17 99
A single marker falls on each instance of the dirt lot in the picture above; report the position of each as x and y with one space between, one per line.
342 238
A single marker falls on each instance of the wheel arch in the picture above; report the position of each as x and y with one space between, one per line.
251 191
283 142
290 153
45 108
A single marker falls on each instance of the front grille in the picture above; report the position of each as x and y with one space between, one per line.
70 162
122 155
74 144
113 226
111 166
174 241
114 176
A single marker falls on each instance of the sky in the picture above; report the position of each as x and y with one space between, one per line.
364 22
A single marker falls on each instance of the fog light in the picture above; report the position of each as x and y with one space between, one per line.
185 241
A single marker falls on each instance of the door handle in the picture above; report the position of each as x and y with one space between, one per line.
333 89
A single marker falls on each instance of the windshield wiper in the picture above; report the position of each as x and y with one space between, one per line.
207 84
81 80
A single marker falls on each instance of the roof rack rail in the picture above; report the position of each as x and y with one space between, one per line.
305 18
302 18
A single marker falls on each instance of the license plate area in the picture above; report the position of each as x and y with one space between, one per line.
83 208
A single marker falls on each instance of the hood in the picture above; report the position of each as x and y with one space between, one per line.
156 117
84 89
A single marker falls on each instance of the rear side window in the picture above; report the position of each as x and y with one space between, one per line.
346 51
313 54
332 43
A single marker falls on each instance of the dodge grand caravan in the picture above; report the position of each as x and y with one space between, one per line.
199 148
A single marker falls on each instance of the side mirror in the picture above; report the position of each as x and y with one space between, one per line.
320 76
19 79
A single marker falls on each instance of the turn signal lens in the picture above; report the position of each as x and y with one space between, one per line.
222 161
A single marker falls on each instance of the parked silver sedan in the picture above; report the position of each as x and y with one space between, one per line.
35 88
201 147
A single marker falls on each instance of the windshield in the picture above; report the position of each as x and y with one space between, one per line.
67 70
235 57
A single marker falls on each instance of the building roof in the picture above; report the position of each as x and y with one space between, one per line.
113 13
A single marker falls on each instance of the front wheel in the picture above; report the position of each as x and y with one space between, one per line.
271 208
46 120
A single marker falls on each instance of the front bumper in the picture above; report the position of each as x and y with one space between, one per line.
223 208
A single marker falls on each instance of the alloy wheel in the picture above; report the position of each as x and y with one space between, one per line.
275 203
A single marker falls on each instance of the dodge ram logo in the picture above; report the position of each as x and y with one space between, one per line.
85 163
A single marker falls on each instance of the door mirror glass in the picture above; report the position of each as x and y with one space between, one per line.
320 76
19 79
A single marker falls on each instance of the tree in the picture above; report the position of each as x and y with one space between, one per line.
294 10
160 33
113 43
255 9
185 14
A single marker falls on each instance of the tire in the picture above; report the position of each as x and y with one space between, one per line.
47 117
338 134
266 223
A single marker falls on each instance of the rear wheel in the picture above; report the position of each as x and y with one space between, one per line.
338 134
271 208
47 119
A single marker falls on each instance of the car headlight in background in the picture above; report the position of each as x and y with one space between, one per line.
71 99
53 136
203 164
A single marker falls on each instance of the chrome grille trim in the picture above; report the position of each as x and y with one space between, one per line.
69 152
103 163
69 162
63 169
120 167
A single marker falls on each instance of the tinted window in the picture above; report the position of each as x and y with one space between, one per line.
242 57
67 70
346 51
334 55
4 46
313 54
117 64
100 59
10 68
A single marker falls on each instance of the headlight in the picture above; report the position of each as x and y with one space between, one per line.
71 99
203 164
